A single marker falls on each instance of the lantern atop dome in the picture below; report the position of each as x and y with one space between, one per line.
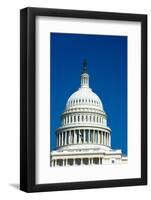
84 71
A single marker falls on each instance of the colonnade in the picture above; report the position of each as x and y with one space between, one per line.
76 161
83 136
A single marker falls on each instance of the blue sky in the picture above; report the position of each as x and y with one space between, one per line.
107 67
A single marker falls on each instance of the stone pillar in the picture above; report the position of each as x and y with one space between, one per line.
69 137
109 139
102 137
73 136
77 133
88 132
79 136
105 138
93 138
84 135
64 162
65 139
73 161
98 137
62 138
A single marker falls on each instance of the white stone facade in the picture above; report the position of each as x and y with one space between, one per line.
84 137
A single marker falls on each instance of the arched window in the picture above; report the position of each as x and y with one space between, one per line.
78 118
71 119
86 118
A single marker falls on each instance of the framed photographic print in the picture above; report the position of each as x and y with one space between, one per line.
83 99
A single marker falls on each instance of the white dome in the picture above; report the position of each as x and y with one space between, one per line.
84 97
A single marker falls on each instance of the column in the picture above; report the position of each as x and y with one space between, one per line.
93 138
81 161
62 138
105 138
69 134
64 162
88 161
70 137
77 133
74 137
98 135
55 163
102 137
79 136
65 138
109 139
84 136
88 136
73 161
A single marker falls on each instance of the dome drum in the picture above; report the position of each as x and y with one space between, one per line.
83 135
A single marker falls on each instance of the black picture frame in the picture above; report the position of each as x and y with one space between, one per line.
28 99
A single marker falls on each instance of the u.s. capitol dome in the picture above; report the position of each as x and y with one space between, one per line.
84 137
